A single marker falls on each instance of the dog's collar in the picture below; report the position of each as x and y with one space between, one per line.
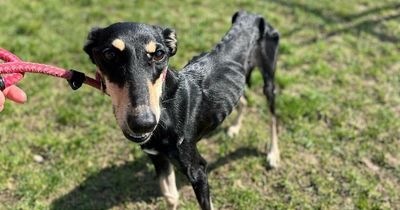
164 73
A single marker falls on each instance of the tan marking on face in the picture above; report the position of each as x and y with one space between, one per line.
119 44
155 91
150 47
120 100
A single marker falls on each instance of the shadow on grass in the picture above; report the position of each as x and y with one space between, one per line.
331 18
131 182
365 26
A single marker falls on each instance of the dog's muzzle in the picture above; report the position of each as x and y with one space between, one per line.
138 138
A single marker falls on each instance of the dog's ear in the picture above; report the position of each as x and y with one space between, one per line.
91 42
170 40
235 16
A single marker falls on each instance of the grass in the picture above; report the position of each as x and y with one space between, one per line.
338 104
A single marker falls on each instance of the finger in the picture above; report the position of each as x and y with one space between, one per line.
2 99
15 94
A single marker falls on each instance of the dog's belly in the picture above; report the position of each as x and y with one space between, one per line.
221 93
213 88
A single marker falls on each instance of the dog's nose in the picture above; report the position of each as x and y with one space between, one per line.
142 123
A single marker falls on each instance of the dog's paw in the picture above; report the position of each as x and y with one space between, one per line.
172 206
172 202
233 131
273 160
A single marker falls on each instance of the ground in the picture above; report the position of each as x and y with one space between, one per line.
338 104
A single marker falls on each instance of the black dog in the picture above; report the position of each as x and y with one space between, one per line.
168 112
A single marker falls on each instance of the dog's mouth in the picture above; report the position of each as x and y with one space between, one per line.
138 138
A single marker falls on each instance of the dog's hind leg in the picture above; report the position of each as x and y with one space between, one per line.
166 178
273 153
266 60
273 157
234 129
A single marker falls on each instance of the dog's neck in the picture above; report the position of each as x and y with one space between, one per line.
171 83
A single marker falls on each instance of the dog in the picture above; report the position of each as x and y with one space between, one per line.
167 112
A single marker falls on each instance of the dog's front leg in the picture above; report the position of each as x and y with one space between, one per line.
195 168
234 129
166 179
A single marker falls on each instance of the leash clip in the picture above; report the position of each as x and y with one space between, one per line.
76 80
2 83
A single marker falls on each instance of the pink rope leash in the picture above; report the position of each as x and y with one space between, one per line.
14 68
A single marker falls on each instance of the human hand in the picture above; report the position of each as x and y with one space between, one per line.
12 93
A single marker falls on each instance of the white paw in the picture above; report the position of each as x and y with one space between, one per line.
172 201
233 131
273 159
172 207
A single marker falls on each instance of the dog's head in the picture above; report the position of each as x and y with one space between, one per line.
132 59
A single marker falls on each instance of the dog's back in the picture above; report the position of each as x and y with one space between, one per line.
217 79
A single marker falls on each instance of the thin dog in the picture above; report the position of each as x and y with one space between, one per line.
167 112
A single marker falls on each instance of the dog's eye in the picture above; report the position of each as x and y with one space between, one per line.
158 55
109 54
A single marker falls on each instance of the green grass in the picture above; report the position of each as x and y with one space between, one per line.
338 104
